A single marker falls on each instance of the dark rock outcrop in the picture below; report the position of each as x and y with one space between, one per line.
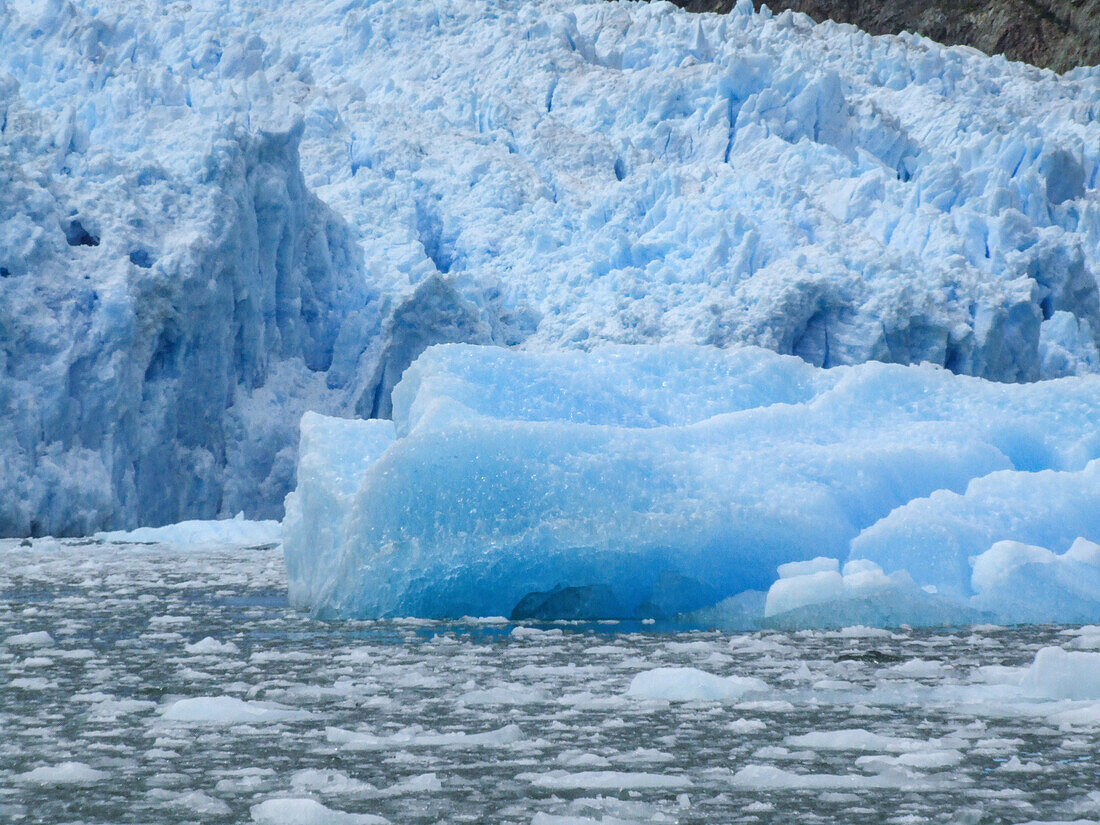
1054 34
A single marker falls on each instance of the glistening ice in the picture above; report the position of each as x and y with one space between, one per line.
659 481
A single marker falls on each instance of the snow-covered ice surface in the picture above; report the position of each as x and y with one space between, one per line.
215 215
651 481
152 683
238 531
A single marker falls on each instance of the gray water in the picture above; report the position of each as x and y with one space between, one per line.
423 722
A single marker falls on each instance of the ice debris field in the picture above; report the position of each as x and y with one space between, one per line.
154 683
678 482
215 216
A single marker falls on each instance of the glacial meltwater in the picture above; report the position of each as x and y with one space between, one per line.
146 684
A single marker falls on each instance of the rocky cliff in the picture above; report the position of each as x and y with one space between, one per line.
1055 34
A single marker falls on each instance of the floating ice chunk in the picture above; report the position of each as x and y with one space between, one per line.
803 590
582 759
488 497
935 537
503 695
32 683
862 595
419 784
305 811
747 726
1013 583
766 777
1088 638
1016 765
858 739
606 781
228 710
211 646
1023 583
536 633
237 531
921 760
687 684
38 638
417 737
1061 674
1087 715
111 709
64 773
918 669
197 802
329 782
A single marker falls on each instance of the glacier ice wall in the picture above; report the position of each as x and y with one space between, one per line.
641 473
172 295
217 215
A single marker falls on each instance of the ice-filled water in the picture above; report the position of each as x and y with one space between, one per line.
158 683
215 216
655 481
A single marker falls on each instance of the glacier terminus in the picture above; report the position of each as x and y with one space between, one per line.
216 216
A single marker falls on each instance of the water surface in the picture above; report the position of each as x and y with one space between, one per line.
424 722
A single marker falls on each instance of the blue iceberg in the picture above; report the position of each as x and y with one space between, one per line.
656 475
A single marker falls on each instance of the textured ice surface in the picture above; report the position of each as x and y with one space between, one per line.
228 710
856 727
334 454
685 684
664 479
1032 584
306 811
214 217
1012 583
199 533
935 537
862 595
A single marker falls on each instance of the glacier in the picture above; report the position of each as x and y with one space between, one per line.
672 481
218 215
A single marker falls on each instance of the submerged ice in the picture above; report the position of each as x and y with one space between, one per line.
660 481
214 217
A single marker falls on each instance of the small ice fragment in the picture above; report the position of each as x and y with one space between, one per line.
304 811
210 645
39 638
64 773
688 684
228 710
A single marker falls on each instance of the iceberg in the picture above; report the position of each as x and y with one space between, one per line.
214 218
825 597
335 454
1011 583
1023 583
936 537
629 478
195 534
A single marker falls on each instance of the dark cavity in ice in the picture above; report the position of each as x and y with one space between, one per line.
77 235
